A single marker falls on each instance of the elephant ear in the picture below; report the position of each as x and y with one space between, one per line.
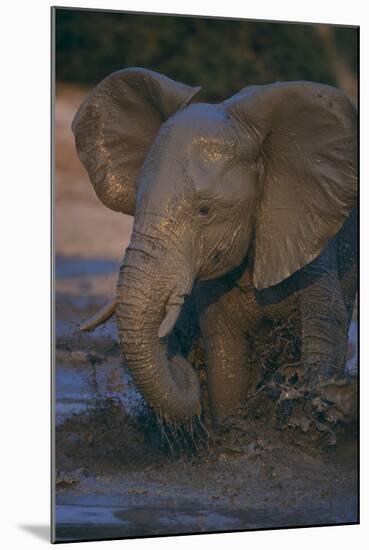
308 170
115 126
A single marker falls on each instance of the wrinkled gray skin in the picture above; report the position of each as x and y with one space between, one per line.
249 204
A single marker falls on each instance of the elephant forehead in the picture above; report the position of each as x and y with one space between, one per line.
209 149
202 129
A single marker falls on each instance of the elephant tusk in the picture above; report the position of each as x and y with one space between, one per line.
169 320
100 317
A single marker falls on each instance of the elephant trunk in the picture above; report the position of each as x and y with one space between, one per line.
170 386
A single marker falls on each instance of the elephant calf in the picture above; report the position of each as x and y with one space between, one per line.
249 204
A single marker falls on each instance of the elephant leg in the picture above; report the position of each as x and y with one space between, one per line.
226 356
325 323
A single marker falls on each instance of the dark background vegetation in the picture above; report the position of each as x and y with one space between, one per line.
222 55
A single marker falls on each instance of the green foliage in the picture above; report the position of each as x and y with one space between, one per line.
222 55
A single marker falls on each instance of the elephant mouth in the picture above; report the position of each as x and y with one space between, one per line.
218 265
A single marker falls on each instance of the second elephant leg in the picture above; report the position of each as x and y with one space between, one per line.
325 323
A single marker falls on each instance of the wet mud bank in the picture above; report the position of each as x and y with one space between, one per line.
116 475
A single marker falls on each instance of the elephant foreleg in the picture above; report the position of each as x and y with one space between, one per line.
226 357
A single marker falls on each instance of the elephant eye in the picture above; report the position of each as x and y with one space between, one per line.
204 211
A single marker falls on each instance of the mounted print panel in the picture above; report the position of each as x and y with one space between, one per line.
205 308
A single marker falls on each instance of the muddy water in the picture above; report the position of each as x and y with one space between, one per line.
103 519
114 480
78 388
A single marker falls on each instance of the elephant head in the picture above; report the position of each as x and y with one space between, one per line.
273 166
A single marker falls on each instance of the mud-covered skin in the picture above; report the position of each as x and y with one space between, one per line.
318 298
252 196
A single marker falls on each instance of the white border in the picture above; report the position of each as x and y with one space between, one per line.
25 321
